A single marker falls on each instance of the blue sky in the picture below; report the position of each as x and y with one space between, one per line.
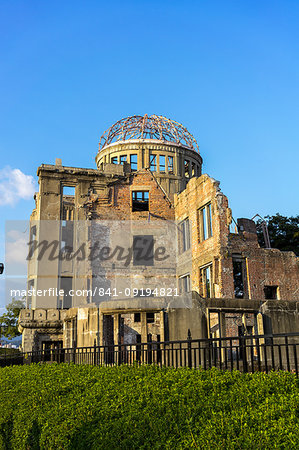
228 71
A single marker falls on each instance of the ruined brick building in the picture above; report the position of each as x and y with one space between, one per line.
148 186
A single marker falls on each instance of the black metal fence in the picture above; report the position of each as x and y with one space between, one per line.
247 353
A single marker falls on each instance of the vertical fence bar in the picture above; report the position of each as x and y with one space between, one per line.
258 354
265 356
295 359
287 353
189 349
272 354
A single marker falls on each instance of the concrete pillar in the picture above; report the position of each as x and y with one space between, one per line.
116 331
146 158
222 324
143 327
176 168
139 159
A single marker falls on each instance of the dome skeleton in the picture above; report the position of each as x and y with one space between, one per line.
148 127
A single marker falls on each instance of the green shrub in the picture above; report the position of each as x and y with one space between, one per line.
86 407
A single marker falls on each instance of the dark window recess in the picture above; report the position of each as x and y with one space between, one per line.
140 201
33 233
137 317
239 285
193 169
187 168
184 236
184 284
67 236
206 280
133 162
143 250
150 317
66 284
270 292
114 160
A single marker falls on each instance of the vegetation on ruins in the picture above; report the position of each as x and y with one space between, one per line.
283 233
72 407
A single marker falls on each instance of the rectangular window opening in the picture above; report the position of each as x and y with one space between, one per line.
140 201
187 168
239 277
33 233
206 281
184 236
68 191
271 292
205 230
193 169
170 164
143 250
123 159
133 162
66 285
153 163
162 163
137 317
150 317
114 160
184 284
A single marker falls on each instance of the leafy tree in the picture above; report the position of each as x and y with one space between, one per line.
9 320
283 233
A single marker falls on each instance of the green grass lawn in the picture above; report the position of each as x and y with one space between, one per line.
85 407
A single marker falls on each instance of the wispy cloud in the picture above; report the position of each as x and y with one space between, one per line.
14 186
16 248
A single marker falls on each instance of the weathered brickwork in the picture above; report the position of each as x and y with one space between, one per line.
233 286
262 267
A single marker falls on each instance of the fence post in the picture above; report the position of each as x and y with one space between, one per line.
244 352
189 346
95 354
74 352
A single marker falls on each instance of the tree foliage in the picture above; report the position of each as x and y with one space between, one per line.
283 233
9 320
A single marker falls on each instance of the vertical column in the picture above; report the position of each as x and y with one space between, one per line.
116 331
177 169
139 158
260 330
146 158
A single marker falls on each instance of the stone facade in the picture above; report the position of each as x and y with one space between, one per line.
232 284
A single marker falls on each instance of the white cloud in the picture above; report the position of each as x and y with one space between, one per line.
16 250
15 186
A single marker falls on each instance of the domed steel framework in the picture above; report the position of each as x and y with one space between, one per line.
148 127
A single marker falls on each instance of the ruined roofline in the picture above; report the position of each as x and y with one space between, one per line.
70 169
147 141
143 127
